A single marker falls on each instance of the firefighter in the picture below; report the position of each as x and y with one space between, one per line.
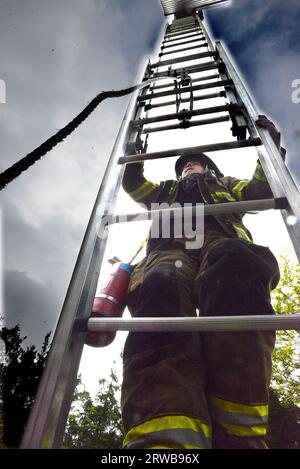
191 389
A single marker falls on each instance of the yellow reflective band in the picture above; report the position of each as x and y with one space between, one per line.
170 422
259 173
139 189
145 194
238 430
243 236
241 233
239 187
143 190
223 195
234 407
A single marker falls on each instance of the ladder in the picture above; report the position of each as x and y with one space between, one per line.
179 81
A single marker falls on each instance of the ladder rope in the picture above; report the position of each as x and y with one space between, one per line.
23 164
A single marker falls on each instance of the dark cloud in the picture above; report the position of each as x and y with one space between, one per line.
264 39
29 304
55 57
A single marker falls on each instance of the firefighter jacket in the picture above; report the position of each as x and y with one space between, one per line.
213 190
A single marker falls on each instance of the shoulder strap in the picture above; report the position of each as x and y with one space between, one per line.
166 190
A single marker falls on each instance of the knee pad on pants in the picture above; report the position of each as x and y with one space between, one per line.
237 281
158 295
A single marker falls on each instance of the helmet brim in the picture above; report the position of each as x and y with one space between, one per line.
202 158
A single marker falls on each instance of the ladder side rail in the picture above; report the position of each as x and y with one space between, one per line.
205 32
278 175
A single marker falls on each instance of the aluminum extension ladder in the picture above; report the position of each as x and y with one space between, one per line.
187 33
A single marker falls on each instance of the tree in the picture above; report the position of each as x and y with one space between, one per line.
95 424
20 371
284 424
286 363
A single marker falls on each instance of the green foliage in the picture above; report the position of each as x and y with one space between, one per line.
20 371
286 365
284 420
284 424
95 423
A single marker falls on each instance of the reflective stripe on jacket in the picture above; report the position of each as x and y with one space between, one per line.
219 190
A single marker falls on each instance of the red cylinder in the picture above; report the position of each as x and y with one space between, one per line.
110 302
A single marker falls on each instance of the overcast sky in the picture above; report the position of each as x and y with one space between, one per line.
55 56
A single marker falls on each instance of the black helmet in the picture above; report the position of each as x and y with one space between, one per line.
201 157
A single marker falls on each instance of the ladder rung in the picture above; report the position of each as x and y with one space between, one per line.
182 43
250 142
185 114
215 323
205 44
221 94
208 77
186 124
184 31
208 209
184 37
188 29
186 89
187 58
178 27
189 69
187 24
182 22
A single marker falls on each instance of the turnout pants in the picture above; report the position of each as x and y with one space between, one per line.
191 389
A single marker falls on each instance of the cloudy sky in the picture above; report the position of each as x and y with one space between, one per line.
55 56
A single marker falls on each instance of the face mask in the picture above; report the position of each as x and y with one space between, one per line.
189 183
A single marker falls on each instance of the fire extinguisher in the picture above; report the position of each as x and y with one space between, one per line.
110 301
